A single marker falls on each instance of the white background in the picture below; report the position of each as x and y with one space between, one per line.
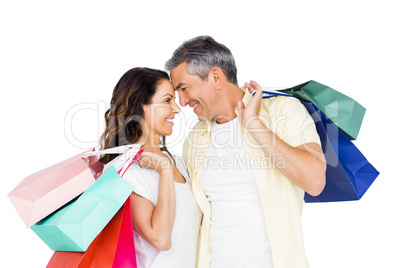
56 55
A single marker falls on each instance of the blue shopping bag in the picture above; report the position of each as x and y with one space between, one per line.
75 226
348 174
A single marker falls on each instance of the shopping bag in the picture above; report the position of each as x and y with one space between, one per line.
42 193
75 226
348 174
346 113
112 248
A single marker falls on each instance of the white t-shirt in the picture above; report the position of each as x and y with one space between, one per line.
183 252
238 236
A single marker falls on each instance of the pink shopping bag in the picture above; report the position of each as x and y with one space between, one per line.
114 247
125 250
41 193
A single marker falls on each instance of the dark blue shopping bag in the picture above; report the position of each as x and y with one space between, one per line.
348 174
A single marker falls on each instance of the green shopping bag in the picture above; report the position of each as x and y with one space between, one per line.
75 226
346 113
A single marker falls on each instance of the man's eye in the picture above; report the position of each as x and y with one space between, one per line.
183 89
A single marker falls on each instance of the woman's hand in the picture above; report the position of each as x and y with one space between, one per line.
160 163
248 116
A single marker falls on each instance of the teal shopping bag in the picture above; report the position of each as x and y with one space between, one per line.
75 226
346 113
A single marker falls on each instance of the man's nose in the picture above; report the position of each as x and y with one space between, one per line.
183 100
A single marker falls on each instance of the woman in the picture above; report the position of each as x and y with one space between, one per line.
166 218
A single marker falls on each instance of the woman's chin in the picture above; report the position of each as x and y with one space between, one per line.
166 133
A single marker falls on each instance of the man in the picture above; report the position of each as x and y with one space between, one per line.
250 161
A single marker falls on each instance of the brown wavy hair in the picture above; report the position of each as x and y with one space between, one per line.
125 116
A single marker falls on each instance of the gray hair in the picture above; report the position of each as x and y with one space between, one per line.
202 53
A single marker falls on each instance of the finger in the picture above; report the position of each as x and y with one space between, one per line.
147 156
141 162
257 90
255 85
240 105
145 163
144 155
141 143
249 87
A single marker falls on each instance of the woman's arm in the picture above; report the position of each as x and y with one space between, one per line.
155 223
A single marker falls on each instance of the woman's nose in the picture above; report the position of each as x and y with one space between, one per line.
176 108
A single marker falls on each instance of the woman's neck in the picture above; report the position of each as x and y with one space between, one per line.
151 144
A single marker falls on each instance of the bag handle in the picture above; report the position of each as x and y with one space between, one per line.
271 94
129 163
124 149
116 150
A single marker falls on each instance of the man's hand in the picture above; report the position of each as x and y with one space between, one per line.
248 116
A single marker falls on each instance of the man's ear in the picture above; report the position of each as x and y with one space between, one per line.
217 77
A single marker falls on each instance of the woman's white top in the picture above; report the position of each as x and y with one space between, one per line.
238 236
183 252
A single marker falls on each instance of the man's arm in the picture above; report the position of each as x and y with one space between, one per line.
303 165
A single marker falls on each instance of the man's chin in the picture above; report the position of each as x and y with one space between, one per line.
202 118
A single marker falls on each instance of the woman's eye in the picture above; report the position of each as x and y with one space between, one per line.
168 100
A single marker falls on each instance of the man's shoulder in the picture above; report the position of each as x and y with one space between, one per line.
281 100
281 104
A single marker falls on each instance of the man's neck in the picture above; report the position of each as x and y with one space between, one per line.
233 94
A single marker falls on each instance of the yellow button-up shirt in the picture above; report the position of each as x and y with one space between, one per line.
281 200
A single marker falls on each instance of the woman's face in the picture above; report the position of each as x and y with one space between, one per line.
160 113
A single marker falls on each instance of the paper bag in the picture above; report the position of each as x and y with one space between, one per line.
42 193
348 174
346 113
76 225
113 247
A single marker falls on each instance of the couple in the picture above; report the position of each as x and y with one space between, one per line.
188 213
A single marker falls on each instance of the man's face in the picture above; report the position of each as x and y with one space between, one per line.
195 92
